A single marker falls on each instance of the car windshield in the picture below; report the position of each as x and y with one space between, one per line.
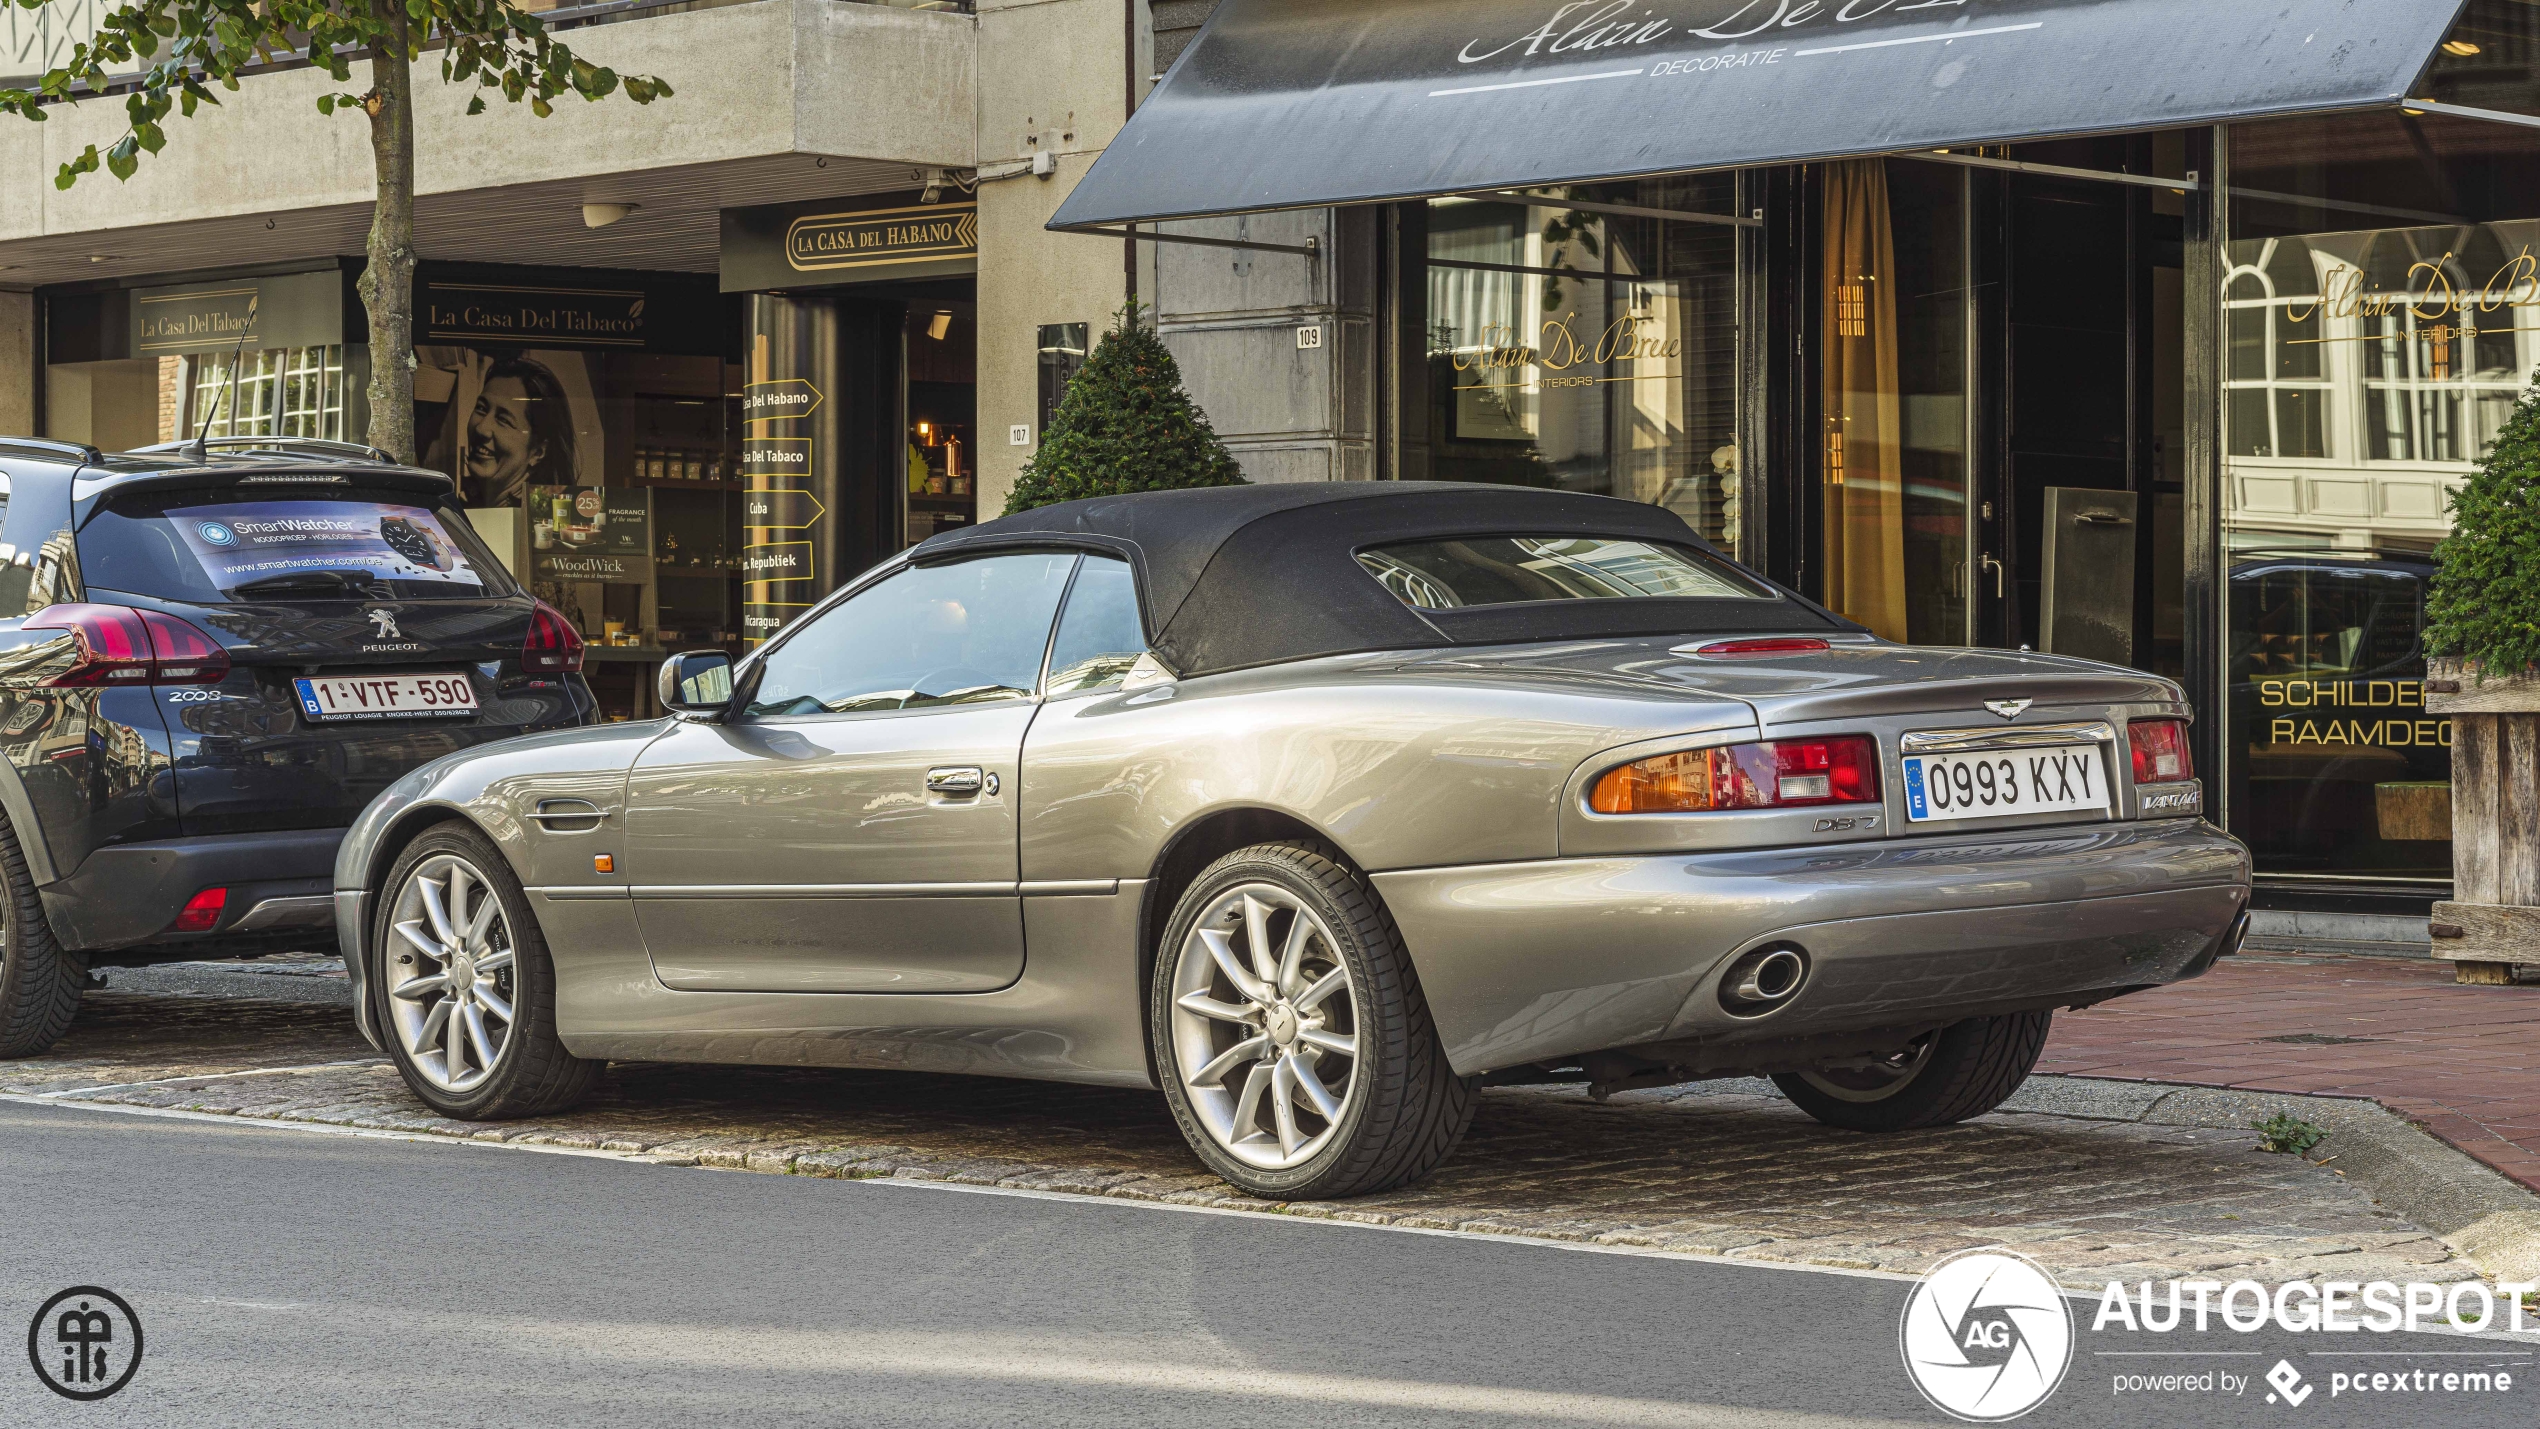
214 547
1506 570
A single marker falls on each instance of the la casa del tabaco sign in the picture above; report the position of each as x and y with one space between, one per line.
537 316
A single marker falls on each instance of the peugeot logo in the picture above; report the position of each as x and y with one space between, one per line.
387 627
2009 709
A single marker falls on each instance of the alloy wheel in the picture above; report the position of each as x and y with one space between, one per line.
450 976
1265 1030
1874 1078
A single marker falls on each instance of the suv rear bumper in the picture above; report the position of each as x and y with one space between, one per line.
1527 962
279 883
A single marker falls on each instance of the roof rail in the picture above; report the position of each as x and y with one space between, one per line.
43 447
316 447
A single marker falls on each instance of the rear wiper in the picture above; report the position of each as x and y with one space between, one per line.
350 584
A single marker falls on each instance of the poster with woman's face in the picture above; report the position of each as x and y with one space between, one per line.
511 420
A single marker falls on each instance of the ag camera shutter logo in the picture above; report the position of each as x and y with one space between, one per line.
1986 1336
216 534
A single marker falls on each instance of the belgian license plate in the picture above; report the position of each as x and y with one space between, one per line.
1997 783
335 697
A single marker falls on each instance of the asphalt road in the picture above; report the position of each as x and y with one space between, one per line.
289 1277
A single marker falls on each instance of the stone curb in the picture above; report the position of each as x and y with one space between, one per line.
2480 1212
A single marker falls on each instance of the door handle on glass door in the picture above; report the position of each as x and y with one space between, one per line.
1986 560
956 783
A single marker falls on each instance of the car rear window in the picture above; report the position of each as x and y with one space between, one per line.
1508 570
212 548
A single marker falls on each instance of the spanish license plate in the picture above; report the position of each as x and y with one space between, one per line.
1997 783
335 697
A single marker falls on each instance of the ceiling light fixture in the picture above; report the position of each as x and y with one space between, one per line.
601 215
2462 48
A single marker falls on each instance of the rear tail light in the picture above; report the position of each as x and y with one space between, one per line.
1795 773
1776 645
202 911
2160 751
554 647
122 646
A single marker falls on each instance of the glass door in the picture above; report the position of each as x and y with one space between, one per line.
1894 496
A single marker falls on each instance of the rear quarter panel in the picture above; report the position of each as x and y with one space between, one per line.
1401 767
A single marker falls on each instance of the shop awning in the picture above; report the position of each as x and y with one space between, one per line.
1301 103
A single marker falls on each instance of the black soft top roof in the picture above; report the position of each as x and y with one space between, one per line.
1239 576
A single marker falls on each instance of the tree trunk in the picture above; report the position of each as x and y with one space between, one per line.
387 285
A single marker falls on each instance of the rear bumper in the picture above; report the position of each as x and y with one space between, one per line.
279 884
1528 962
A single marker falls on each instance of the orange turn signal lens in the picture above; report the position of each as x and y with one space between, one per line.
1795 773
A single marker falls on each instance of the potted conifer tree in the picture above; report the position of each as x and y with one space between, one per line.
1124 425
2483 634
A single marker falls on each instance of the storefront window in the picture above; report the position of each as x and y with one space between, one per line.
609 481
280 392
1590 352
2381 313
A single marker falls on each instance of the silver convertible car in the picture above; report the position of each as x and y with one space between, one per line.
1319 807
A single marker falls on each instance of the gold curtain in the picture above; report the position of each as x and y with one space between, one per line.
1864 456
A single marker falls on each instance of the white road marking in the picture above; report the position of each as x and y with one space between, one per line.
919 1183
199 1077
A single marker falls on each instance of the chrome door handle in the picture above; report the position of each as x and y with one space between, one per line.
962 782
1989 563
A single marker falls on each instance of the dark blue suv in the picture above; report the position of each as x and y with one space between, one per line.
211 658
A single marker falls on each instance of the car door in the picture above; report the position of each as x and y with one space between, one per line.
850 827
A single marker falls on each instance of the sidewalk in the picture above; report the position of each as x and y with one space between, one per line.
2464 1061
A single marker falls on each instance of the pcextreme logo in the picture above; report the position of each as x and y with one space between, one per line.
1986 1336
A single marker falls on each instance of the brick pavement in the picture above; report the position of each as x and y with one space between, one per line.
2464 1062
1713 1169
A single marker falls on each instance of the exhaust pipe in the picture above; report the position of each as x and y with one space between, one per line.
1763 980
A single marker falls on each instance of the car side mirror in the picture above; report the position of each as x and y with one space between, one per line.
698 682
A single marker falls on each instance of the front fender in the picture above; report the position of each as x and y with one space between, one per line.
496 789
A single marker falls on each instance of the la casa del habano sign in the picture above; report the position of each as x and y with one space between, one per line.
853 240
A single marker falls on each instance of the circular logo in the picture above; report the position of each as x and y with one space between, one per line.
214 533
1986 1336
85 1343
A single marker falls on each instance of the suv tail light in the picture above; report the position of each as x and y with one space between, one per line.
1795 773
2160 751
202 911
122 646
554 647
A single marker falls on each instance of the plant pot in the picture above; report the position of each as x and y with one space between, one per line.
2493 921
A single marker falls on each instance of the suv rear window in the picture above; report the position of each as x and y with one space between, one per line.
1507 570
211 548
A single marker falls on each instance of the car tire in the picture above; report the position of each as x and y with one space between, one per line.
1402 1108
505 966
40 980
1963 1070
